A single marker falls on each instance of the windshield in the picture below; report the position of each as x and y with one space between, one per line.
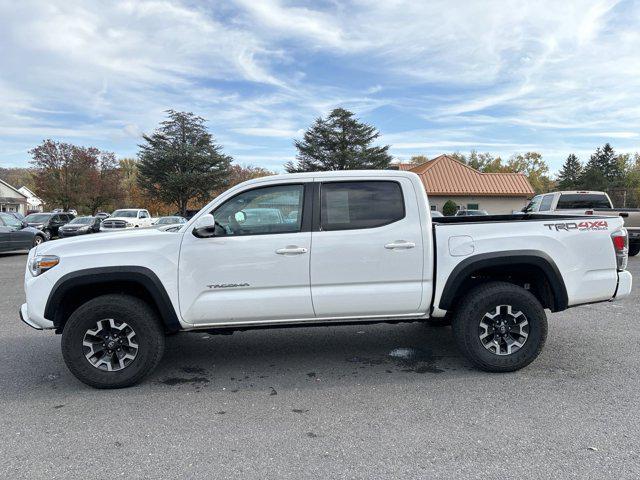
37 217
125 213
82 221
169 220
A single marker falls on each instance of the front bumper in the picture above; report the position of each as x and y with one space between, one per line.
41 324
625 282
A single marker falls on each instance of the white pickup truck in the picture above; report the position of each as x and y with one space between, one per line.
127 218
345 247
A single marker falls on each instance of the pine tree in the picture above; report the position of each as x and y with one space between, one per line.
603 170
570 175
180 161
339 142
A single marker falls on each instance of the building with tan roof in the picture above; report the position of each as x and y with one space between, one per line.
445 178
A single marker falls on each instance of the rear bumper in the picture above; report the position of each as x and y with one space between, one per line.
625 281
33 323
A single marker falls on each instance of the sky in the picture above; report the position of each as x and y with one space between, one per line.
434 77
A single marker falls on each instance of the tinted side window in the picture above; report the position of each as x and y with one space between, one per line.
276 209
582 200
545 205
364 204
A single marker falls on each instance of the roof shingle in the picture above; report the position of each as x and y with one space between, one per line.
445 175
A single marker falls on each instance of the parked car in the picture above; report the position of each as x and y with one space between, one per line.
436 214
127 218
17 215
173 220
17 235
365 251
80 226
471 213
73 212
49 223
103 215
586 202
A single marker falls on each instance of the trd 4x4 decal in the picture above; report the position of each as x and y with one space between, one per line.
580 226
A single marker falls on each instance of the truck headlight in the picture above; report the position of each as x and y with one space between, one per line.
41 263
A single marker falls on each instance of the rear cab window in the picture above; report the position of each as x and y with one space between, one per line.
360 204
572 201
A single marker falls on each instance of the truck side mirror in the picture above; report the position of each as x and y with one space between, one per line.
205 226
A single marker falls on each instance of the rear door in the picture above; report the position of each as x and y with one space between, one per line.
367 257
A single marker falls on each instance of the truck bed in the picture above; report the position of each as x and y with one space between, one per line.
561 240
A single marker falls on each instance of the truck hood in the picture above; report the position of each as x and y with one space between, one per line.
112 242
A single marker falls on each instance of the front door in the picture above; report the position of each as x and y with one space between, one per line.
256 267
367 257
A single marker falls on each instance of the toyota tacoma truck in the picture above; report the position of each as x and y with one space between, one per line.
347 247
583 202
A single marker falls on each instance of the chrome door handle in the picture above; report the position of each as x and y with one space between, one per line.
291 250
400 245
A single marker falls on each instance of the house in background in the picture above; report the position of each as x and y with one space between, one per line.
11 200
445 178
34 204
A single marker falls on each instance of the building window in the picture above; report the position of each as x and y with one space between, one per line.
433 207
473 206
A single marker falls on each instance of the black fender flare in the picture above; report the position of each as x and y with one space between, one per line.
112 276
536 258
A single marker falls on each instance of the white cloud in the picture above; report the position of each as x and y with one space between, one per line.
552 76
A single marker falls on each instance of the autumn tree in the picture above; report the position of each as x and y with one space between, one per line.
418 160
70 176
181 162
339 142
18 177
535 169
103 181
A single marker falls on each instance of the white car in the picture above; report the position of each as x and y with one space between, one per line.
127 218
360 247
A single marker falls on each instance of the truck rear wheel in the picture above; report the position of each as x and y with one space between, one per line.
634 249
500 327
112 341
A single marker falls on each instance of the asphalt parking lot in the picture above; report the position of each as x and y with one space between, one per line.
383 401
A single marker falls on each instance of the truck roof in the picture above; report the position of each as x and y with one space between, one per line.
588 192
333 174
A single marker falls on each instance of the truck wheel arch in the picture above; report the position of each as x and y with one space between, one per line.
508 261
75 288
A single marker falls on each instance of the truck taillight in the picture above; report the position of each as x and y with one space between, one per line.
621 246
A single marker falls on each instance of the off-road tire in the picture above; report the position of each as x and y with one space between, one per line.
634 249
122 308
487 298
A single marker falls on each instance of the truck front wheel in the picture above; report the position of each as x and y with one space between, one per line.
112 341
500 327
